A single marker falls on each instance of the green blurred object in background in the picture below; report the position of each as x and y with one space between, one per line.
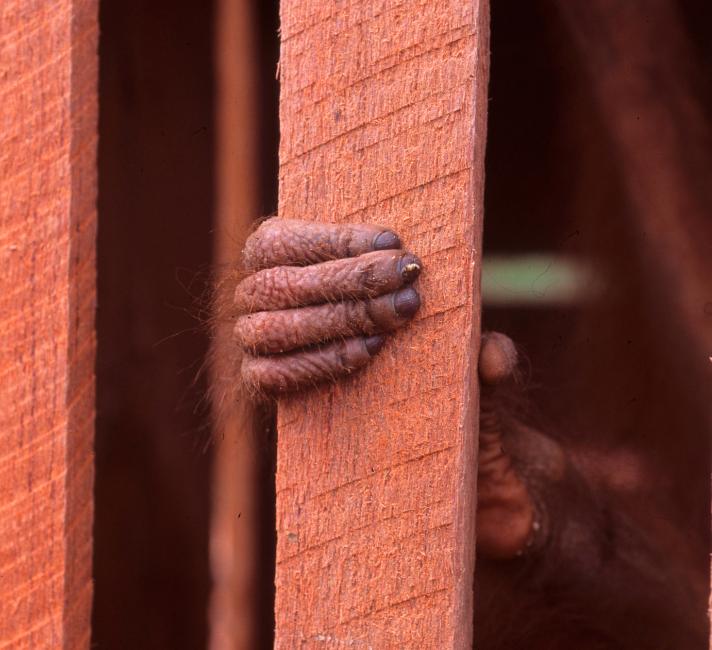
536 279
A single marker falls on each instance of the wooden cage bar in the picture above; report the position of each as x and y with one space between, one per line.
48 103
235 504
382 118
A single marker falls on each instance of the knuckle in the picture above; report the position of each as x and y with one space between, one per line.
359 318
249 372
241 334
341 241
260 376
250 330
366 275
254 240
373 273
259 246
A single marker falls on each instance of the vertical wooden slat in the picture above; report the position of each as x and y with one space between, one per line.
383 108
234 525
47 299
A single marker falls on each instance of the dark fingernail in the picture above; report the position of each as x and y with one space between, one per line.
409 267
374 344
386 240
406 302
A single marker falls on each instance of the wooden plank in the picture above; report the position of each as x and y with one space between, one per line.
233 534
47 232
383 107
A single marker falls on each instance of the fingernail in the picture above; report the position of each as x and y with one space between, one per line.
374 344
386 240
406 302
409 267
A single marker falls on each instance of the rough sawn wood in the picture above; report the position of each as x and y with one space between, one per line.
383 120
47 299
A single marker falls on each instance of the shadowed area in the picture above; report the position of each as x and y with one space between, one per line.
155 245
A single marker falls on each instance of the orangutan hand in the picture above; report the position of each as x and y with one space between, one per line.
319 301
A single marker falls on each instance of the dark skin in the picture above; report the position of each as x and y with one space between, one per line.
567 554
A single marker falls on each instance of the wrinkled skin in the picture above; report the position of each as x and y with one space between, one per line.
567 557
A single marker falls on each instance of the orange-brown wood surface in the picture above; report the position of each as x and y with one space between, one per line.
383 108
233 534
47 300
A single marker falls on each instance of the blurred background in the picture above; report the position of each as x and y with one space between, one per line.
157 253
188 156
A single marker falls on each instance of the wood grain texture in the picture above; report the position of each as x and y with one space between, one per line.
382 115
233 533
47 233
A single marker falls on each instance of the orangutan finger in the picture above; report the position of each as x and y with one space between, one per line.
498 358
290 242
282 373
365 276
271 332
